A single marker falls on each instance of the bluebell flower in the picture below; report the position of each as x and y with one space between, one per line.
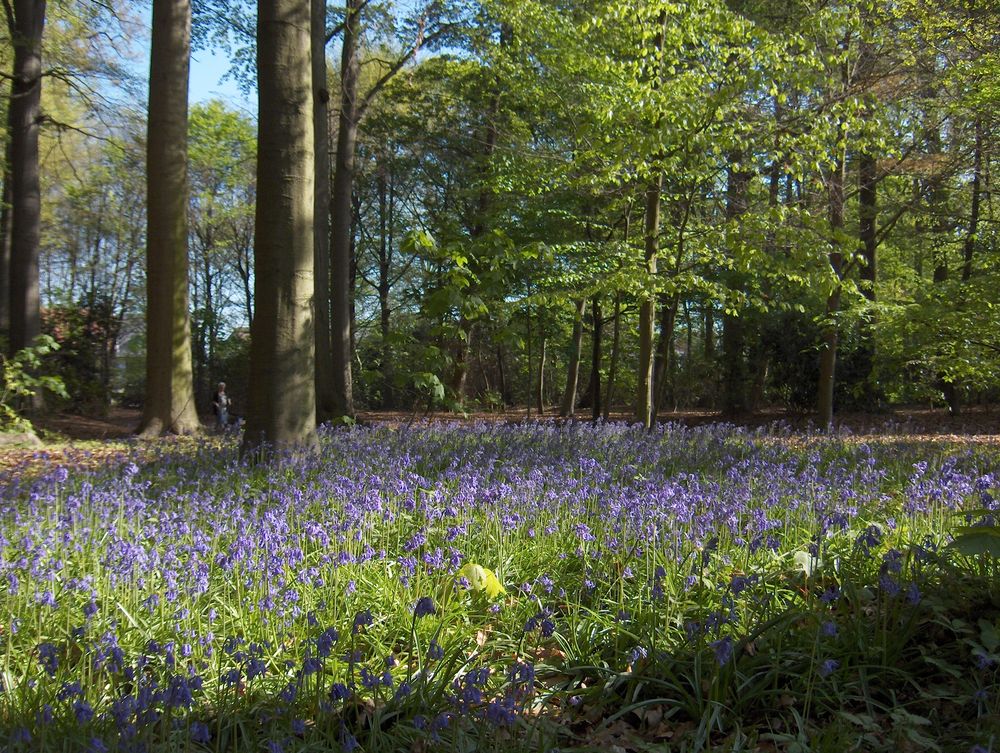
82 711
723 649
200 732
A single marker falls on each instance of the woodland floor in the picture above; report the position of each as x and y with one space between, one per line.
975 421
95 439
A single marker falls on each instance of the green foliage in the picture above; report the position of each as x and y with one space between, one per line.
23 380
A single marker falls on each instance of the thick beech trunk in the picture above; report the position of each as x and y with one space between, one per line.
169 404
567 407
321 215
24 118
283 341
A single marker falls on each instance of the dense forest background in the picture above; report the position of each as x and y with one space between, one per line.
574 206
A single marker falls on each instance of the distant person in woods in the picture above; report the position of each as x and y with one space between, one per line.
220 407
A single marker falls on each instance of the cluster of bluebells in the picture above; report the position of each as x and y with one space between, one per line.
198 580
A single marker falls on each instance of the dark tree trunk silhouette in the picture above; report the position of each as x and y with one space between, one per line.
321 214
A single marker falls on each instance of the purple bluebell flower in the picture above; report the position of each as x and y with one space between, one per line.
828 667
723 649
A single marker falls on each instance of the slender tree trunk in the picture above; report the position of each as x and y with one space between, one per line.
595 357
26 28
321 215
867 227
616 341
867 235
735 378
567 407
647 306
341 212
5 238
170 403
972 236
460 373
504 388
540 395
282 344
829 335
383 283
527 336
665 348
709 344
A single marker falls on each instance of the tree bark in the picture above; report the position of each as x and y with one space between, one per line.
616 340
665 348
735 379
169 404
26 28
647 306
384 285
5 239
595 357
321 215
972 236
709 341
567 407
829 335
341 213
283 341
540 395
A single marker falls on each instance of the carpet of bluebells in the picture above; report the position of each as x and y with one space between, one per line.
681 589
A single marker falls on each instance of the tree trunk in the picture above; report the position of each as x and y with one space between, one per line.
26 29
647 306
616 341
341 212
384 284
282 344
504 388
972 236
595 358
567 407
5 239
734 363
867 225
829 335
321 215
460 374
709 316
540 395
527 338
665 348
867 235
169 404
